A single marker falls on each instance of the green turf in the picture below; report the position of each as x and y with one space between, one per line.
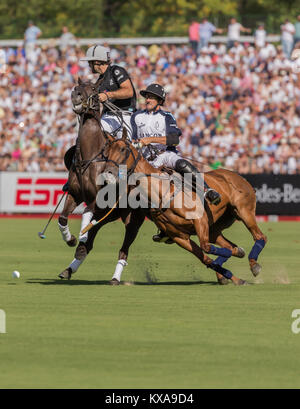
174 328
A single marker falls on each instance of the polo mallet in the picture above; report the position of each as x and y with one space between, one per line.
95 222
41 234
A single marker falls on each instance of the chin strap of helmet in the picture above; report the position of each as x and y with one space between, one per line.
92 66
159 103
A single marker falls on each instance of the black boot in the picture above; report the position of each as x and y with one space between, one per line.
183 166
211 195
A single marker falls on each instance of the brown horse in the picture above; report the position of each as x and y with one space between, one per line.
85 163
91 140
238 202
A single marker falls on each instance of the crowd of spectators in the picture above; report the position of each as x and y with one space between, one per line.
238 107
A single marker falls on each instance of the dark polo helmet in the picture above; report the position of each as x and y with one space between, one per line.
154 89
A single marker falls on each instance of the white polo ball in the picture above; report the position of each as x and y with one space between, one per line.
16 274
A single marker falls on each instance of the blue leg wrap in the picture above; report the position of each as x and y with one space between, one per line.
219 269
256 249
217 251
220 260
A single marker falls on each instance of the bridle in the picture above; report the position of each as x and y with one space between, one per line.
90 102
129 152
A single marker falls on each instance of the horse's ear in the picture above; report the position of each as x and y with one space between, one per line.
79 81
124 134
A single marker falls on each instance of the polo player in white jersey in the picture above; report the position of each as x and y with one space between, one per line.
157 132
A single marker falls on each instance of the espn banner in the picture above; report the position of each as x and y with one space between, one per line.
31 192
276 194
40 192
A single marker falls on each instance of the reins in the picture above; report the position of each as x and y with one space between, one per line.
129 152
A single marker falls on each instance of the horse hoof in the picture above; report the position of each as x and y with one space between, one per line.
66 274
169 241
222 281
240 282
114 281
72 242
239 252
255 269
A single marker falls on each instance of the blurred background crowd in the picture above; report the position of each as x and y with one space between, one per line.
237 104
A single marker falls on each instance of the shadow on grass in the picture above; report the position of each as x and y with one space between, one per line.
48 281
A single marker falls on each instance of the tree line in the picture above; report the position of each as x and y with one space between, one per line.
137 18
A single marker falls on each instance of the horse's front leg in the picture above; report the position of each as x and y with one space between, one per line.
223 253
69 207
224 242
192 247
133 223
86 217
81 252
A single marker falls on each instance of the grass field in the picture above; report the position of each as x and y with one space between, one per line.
173 328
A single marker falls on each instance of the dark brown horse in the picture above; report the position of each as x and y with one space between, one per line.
91 139
85 164
238 202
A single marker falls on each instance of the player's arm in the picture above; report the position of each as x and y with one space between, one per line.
154 139
125 91
125 86
134 134
172 131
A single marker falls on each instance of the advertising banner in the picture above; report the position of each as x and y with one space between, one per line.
40 192
31 192
276 194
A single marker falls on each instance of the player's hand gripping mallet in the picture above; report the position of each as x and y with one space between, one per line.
41 234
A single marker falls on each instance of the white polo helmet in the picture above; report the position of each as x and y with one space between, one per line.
97 53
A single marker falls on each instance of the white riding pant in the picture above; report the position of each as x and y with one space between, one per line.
112 123
167 158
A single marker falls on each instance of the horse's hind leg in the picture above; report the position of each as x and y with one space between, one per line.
247 215
69 207
133 223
